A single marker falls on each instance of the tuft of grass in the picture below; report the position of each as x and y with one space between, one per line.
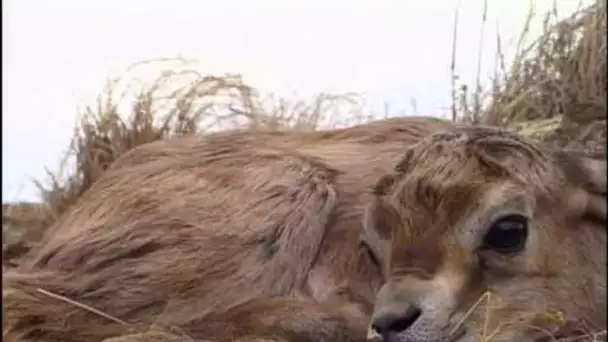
561 328
23 224
179 101
560 78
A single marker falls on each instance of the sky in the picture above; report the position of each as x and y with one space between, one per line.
58 54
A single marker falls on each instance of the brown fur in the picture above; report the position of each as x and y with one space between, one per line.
256 237
223 237
431 214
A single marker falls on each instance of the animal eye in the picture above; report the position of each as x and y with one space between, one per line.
508 234
370 254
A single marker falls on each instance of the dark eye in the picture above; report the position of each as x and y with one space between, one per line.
370 254
508 234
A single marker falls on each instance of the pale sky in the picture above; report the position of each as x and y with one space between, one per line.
57 55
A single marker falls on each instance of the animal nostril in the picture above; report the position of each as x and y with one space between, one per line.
394 322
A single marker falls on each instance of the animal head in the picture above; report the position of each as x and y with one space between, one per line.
484 235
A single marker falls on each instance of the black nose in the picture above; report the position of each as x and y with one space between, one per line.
395 321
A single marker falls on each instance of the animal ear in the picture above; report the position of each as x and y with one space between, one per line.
379 220
584 170
383 185
587 173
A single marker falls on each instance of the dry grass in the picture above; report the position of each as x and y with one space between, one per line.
179 101
554 91
22 226
563 329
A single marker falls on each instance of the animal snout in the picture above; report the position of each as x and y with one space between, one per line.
395 320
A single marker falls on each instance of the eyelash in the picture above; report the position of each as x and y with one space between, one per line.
370 254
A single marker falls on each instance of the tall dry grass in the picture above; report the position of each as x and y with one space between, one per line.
179 101
555 88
